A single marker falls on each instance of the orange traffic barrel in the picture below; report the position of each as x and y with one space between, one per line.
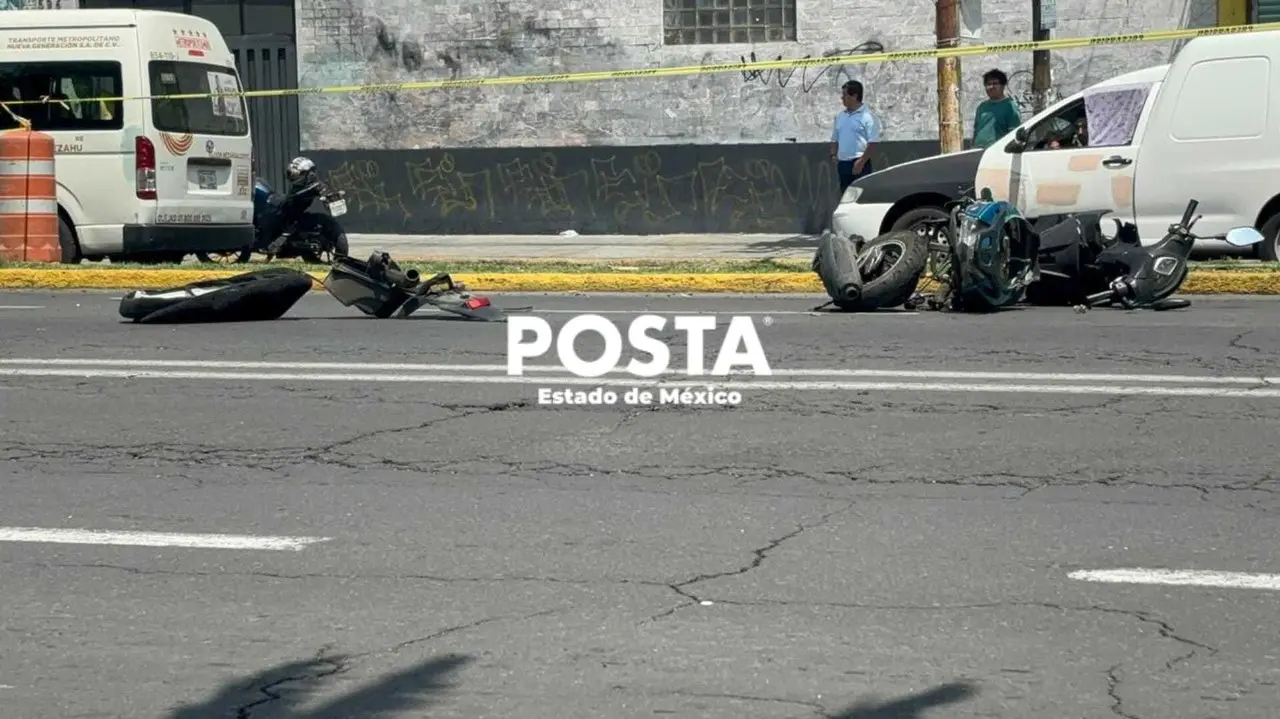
28 198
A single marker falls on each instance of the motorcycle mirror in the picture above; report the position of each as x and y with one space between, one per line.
1244 236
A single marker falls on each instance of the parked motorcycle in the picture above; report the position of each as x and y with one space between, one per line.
1084 269
286 227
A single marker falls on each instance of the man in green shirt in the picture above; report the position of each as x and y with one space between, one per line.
998 114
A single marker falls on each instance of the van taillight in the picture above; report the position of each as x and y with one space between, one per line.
144 165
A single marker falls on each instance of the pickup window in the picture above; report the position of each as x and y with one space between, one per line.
1107 117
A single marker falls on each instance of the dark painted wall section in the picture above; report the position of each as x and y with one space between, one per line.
773 189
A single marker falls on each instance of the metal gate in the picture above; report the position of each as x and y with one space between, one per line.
270 62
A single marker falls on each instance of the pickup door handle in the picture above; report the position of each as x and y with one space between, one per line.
1117 161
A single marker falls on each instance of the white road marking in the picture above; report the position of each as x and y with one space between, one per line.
156 539
1181 578
752 385
552 369
673 311
21 307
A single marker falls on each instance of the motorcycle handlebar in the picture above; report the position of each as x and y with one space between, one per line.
1190 212
1099 297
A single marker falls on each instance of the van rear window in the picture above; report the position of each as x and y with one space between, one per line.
196 115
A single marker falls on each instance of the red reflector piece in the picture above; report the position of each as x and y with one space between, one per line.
476 303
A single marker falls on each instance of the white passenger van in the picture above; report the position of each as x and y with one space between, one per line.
1142 145
139 180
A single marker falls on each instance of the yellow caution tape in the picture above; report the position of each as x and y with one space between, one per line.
597 76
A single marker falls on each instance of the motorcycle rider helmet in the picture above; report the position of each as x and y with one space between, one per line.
301 172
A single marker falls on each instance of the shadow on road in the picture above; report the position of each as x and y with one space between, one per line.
909 707
280 692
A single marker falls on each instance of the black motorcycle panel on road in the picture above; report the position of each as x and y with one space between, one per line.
250 297
380 288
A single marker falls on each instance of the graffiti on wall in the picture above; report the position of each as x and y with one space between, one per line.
547 192
641 190
344 42
1020 87
809 76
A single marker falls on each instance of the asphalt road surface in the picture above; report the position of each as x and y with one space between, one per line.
917 515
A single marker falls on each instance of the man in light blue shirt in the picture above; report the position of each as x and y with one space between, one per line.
854 136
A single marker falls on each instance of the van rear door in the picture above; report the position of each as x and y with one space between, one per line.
204 142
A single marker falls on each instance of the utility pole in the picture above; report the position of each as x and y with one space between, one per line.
1044 17
947 29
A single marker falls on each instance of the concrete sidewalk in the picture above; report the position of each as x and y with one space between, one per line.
587 247
603 248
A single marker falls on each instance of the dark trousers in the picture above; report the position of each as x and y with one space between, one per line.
845 169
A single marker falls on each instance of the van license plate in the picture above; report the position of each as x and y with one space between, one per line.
208 180
338 208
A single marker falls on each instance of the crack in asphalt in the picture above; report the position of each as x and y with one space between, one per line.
139 571
1204 482
336 666
1164 628
812 706
757 558
1113 691
340 664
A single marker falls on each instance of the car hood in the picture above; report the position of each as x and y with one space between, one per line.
949 175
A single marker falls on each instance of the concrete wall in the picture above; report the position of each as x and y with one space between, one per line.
729 152
373 41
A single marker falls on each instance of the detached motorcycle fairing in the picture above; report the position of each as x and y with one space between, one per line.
1069 259
994 256
380 288
249 297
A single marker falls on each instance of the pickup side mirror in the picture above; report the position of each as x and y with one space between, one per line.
1019 142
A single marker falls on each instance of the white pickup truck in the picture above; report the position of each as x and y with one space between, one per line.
1141 145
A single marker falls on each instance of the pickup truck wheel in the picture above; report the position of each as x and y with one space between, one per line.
1269 248
914 217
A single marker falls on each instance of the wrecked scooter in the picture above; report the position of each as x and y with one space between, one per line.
1083 268
381 288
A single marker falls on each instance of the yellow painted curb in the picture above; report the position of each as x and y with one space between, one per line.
1198 283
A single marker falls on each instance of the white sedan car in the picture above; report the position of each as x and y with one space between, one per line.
898 197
